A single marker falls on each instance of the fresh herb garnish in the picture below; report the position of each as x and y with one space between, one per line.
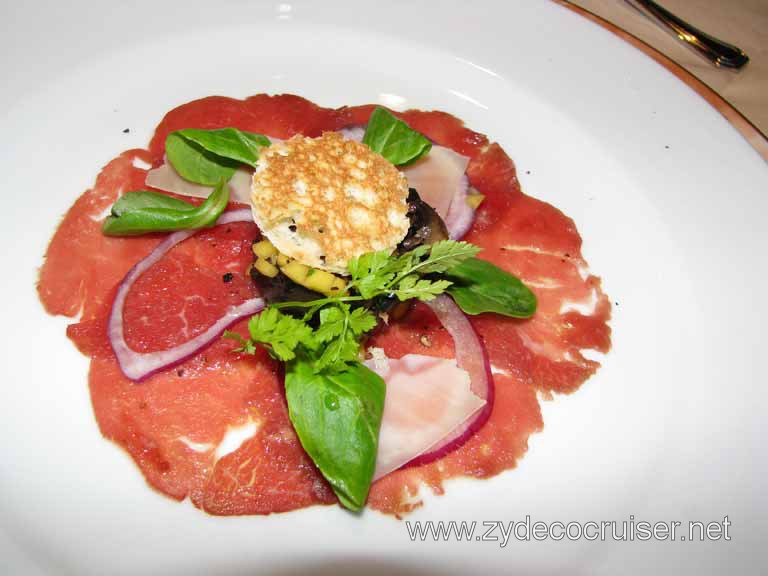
278 332
377 273
479 286
334 402
228 143
196 164
207 156
144 212
336 341
337 416
340 332
394 139
143 199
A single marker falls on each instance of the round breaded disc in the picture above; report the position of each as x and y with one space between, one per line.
326 200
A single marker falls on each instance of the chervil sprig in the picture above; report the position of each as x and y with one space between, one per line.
343 321
378 273
280 333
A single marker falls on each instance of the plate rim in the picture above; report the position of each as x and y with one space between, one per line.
392 544
751 133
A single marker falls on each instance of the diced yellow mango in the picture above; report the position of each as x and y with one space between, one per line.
265 250
265 267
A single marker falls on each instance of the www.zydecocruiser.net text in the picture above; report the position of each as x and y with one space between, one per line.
632 530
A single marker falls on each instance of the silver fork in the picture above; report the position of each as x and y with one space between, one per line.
719 52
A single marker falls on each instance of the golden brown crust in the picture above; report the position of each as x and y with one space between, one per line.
325 200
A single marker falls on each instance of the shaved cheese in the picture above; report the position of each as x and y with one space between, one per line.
438 178
427 399
165 178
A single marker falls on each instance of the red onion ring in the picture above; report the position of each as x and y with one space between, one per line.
460 215
138 365
472 357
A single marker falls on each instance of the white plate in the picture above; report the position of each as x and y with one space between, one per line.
670 200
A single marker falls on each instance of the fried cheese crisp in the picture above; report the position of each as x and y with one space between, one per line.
326 200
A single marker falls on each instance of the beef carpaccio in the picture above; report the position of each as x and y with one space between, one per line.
174 424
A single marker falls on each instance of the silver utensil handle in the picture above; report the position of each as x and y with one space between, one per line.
719 52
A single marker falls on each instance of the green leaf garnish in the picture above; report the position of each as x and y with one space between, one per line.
394 139
141 199
207 156
443 255
337 417
479 286
378 273
280 333
335 343
371 272
334 402
229 143
144 212
196 164
421 289
340 331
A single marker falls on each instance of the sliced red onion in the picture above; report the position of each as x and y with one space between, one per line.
472 357
460 214
139 365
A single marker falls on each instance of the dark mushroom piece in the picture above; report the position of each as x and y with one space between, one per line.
426 226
